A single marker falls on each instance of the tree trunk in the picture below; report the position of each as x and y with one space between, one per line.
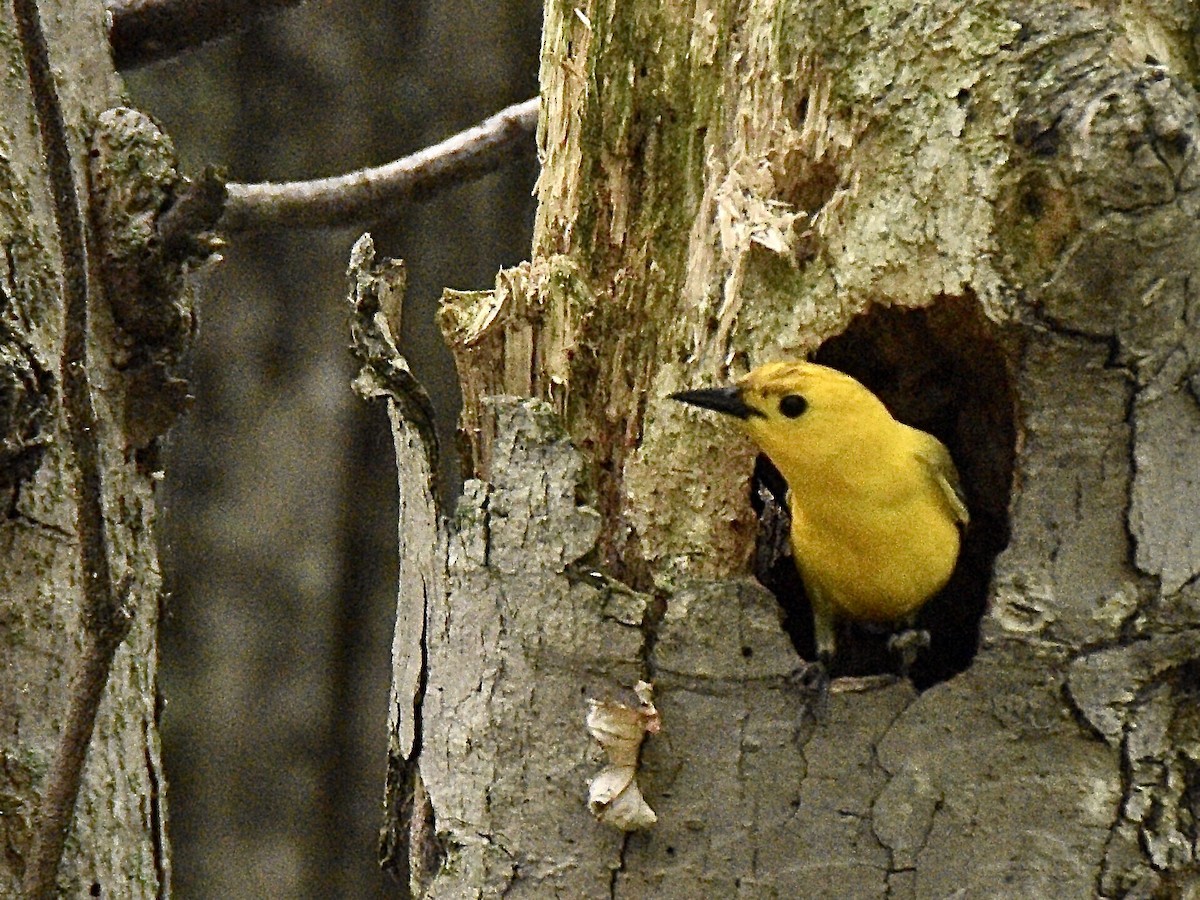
93 323
987 213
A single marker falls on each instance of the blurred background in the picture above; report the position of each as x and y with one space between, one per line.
279 520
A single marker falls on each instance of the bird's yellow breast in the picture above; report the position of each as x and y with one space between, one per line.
877 541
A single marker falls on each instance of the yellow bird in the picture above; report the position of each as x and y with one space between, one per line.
876 505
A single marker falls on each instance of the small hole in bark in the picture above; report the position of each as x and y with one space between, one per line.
943 370
747 652
95 890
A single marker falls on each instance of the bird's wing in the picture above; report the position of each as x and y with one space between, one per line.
934 456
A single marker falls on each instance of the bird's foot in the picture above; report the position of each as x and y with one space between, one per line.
906 646
814 679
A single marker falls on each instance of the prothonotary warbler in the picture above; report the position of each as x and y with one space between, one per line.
876 505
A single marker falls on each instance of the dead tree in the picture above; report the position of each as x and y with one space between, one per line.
987 213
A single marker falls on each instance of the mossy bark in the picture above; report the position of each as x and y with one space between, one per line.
987 212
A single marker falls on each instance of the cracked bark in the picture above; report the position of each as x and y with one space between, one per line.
989 212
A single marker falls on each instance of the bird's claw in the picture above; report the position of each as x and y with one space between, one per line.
814 679
906 646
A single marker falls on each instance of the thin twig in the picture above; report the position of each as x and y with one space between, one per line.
86 690
146 31
105 619
368 195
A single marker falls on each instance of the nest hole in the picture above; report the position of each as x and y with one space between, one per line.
943 369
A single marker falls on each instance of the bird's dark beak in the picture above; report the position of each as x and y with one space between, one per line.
726 400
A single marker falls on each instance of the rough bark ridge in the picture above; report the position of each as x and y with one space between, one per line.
116 840
1105 207
987 211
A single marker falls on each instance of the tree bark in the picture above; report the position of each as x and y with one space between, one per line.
93 322
988 213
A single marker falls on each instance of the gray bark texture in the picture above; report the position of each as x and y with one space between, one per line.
89 344
986 211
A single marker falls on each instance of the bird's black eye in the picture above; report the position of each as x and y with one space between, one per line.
792 405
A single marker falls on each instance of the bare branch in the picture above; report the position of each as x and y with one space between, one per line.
371 194
146 31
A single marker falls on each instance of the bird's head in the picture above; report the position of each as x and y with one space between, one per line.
798 412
